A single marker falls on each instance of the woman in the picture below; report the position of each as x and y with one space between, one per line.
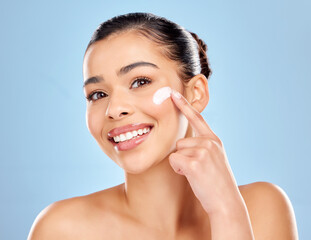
146 82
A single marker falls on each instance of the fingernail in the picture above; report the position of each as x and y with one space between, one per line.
176 94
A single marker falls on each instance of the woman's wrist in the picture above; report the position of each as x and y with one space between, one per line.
231 221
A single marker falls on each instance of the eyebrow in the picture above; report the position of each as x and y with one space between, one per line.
122 71
130 67
93 80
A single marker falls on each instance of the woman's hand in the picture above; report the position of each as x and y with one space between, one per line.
202 160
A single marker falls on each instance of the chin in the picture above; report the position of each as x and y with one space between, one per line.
142 162
135 167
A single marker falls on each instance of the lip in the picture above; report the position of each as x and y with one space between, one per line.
127 128
131 144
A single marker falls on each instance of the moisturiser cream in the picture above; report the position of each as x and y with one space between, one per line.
161 94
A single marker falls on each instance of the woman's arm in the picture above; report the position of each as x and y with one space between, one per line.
267 207
203 161
231 222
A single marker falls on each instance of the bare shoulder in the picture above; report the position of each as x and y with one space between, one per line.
271 212
77 217
55 221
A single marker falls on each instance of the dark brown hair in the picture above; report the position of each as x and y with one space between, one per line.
180 45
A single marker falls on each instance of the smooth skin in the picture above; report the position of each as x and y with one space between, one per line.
178 183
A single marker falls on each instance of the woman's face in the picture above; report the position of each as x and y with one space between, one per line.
124 95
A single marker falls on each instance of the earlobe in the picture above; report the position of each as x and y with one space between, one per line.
197 92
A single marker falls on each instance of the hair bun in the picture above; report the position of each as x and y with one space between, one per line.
205 69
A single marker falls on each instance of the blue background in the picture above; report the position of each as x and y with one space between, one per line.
259 98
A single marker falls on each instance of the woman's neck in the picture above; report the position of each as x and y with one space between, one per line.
162 199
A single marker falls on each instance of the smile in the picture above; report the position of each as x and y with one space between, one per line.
131 136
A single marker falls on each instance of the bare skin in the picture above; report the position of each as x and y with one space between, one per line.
163 197
104 215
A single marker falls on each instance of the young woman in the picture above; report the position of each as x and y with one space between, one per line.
146 83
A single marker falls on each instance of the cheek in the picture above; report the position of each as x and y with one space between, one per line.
164 111
161 95
162 108
171 125
93 122
174 119
158 103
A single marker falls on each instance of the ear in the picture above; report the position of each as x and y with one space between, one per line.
196 92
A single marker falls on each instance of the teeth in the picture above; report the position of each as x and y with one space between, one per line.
117 139
122 137
129 135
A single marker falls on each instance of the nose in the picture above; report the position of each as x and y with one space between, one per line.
118 107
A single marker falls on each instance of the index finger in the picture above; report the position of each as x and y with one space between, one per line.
195 119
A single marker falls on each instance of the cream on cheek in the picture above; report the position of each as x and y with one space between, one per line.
161 95
164 110
173 122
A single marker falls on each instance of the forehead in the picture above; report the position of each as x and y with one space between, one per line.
116 51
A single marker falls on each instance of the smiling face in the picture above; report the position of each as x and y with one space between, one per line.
121 74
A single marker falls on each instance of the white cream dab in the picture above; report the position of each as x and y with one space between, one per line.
161 94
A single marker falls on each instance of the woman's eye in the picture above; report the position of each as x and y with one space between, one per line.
140 82
95 96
